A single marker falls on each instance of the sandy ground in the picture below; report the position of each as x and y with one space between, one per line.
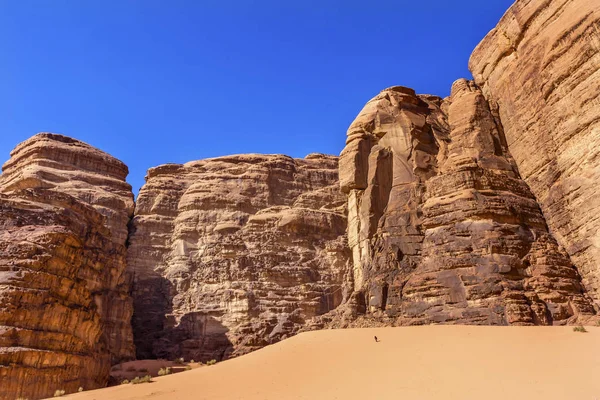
416 363
131 369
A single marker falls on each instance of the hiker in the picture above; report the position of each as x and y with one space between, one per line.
377 340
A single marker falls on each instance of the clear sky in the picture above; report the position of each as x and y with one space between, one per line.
158 81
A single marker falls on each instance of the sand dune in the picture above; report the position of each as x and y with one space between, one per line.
429 362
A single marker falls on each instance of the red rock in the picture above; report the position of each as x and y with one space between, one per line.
539 70
441 226
234 253
64 305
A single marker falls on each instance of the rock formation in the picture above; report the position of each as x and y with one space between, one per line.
233 253
475 209
441 226
64 305
540 70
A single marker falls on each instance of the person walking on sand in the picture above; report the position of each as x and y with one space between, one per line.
377 340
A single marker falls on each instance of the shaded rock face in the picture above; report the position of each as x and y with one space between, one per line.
441 226
233 253
540 70
65 310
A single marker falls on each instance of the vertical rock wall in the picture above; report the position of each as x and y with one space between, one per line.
65 309
540 71
441 226
476 209
234 253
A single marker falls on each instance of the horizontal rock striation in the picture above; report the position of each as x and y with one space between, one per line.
58 162
64 306
233 253
540 71
441 226
475 209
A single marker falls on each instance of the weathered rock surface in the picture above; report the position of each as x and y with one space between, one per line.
475 209
540 70
73 167
233 253
65 310
441 227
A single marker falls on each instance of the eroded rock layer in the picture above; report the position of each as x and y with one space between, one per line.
441 226
65 310
233 253
540 71
70 166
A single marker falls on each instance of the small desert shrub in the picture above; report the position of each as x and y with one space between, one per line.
59 393
579 328
80 389
192 361
130 369
188 367
125 382
143 379
179 360
211 362
164 371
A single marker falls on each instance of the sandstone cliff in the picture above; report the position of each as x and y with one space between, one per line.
540 70
64 305
441 226
233 253
475 209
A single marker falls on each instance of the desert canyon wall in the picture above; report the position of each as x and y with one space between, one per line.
65 308
540 71
441 226
233 253
479 208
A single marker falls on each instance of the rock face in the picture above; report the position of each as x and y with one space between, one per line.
233 253
64 305
70 166
441 226
475 209
540 70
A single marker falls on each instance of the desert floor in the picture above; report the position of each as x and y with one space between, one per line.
421 363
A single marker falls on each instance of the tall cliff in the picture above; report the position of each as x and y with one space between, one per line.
475 209
441 226
540 70
233 253
65 309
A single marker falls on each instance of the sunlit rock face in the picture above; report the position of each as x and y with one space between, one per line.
540 71
441 226
480 208
65 308
233 253
73 167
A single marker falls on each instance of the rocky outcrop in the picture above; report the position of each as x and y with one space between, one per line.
540 71
64 305
475 209
441 226
233 253
73 167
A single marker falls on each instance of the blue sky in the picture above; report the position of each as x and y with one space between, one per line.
153 82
